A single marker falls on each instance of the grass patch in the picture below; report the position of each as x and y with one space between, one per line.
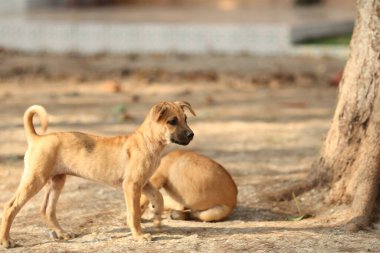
342 40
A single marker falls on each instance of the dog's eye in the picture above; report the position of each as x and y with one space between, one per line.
173 122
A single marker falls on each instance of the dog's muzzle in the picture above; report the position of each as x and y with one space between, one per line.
184 139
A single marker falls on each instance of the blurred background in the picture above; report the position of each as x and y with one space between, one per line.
184 26
262 76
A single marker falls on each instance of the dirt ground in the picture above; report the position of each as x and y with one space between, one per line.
264 119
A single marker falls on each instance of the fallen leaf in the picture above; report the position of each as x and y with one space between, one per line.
298 218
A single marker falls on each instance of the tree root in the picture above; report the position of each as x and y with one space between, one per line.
285 194
358 223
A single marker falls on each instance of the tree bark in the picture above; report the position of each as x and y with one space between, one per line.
349 162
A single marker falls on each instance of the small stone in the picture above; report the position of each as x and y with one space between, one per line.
111 86
352 227
53 235
135 98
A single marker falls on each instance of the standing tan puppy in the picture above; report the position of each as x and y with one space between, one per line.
122 161
195 185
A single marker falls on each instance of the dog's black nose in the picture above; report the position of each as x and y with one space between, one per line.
190 135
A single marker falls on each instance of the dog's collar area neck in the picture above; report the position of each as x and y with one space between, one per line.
153 144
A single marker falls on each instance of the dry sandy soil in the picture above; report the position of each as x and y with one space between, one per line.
264 119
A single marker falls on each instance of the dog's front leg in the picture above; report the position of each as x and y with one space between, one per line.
132 194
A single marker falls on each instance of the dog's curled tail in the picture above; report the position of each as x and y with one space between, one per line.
30 131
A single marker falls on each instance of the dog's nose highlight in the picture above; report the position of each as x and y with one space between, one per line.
190 135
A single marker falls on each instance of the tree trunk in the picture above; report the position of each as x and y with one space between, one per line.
349 162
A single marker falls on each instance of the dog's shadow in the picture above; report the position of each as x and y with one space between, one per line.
168 232
241 213
245 213
197 228
156 233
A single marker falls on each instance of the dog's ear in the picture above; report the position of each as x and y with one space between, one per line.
159 110
184 104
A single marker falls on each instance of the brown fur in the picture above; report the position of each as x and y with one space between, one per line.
195 184
122 161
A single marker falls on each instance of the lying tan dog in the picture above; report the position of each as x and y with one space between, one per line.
122 161
195 185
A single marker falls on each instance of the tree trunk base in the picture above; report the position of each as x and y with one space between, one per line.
349 162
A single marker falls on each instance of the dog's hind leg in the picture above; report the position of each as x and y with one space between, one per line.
157 201
156 181
215 213
48 208
28 187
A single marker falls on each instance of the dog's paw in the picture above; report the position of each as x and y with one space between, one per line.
66 236
8 243
61 235
179 215
143 237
